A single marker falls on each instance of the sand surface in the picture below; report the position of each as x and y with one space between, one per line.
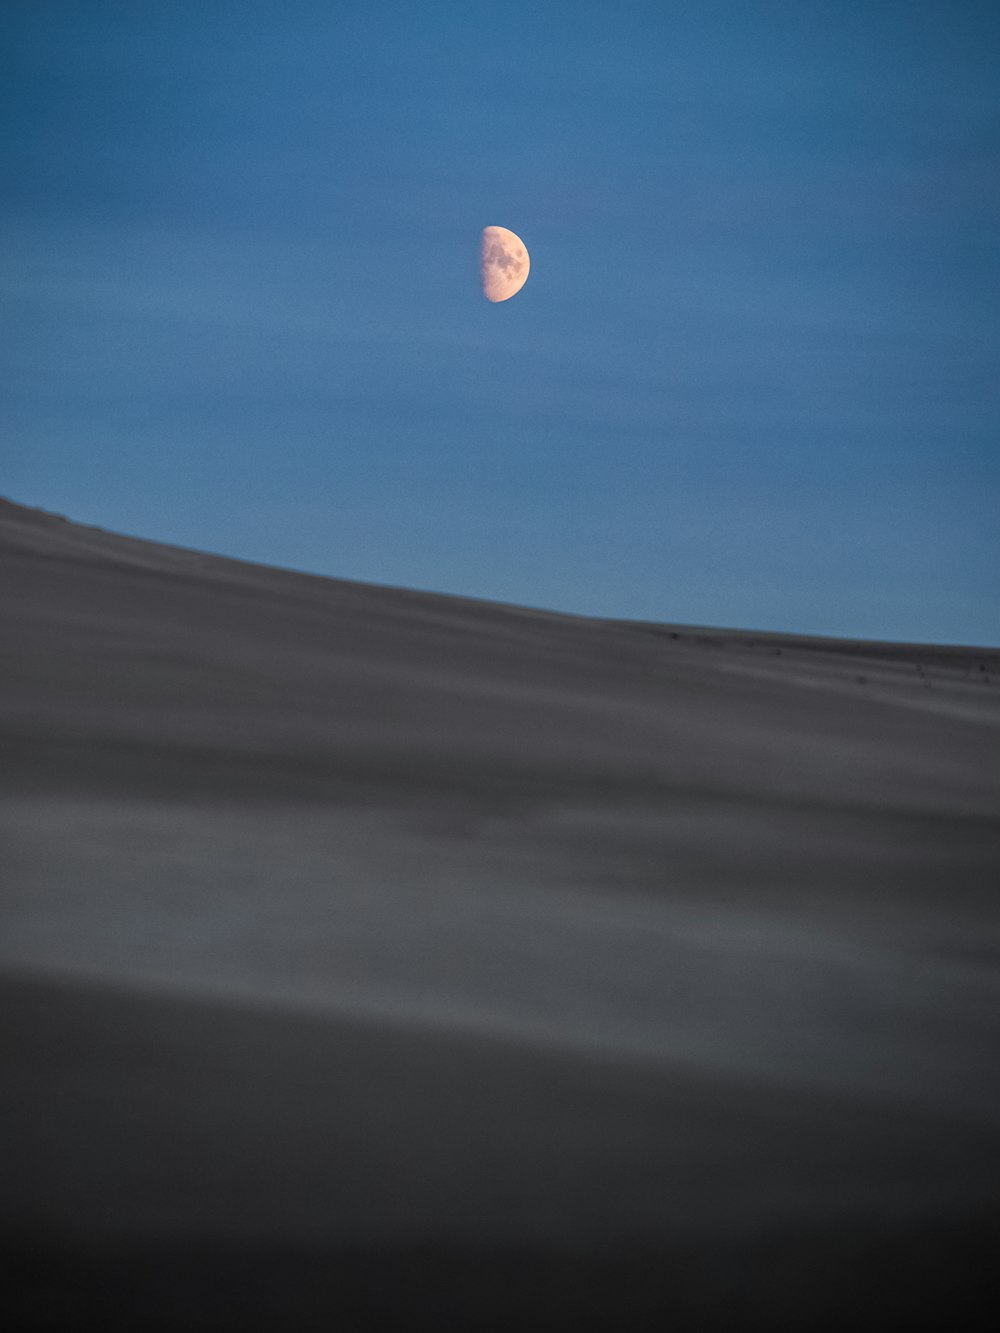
371 959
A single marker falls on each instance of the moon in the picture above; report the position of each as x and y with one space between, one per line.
503 263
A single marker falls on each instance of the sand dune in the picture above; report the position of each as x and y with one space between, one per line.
375 958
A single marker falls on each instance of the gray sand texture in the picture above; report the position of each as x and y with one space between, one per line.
378 959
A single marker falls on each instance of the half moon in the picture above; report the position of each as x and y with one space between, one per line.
503 263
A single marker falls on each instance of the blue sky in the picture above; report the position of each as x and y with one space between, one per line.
754 376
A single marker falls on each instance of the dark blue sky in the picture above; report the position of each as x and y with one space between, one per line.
753 379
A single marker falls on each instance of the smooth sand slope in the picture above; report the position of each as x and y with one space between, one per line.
374 959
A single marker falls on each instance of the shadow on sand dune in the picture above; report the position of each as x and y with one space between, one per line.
376 959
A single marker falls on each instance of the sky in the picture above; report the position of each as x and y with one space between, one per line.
753 379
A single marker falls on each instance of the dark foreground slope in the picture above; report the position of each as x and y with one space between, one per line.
372 959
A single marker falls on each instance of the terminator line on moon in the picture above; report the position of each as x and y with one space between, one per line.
503 263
